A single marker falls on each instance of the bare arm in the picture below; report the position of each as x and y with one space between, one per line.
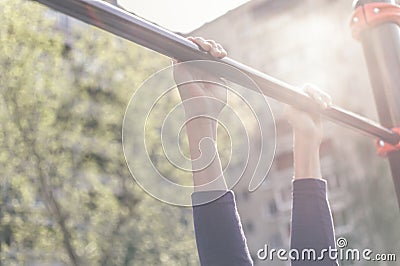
203 103
307 136
219 235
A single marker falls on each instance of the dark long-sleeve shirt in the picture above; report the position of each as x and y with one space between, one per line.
220 238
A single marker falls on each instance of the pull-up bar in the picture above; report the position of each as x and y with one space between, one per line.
142 32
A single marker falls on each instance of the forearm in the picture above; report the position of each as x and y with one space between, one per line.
306 157
206 164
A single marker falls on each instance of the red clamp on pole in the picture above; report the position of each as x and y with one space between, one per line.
372 14
383 148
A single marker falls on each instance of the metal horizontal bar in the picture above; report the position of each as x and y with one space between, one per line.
156 38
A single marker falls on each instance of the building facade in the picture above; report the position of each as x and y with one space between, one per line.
298 42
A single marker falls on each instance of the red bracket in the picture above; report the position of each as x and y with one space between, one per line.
373 14
383 148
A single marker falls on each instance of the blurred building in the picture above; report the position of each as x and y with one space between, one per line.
298 42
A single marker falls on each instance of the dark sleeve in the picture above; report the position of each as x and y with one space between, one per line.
219 235
312 226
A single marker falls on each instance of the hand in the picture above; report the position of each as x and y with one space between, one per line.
201 98
307 135
308 127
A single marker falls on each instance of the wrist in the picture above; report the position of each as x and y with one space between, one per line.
306 159
307 167
201 126
310 142
209 177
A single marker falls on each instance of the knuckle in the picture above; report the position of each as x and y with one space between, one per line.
213 43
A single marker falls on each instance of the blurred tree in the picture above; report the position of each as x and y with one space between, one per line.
66 193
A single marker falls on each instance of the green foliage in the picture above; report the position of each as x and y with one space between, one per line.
66 193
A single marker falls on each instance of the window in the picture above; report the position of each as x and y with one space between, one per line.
284 160
339 218
276 240
326 147
269 209
245 194
272 209
286 194
248 227
269 7
333 181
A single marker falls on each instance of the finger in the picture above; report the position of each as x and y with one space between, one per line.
222 50
202 43
327 99
214 51
323 99
210 46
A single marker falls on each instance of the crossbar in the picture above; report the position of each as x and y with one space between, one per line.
133 28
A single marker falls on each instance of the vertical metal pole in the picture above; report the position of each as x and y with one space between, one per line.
381 45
